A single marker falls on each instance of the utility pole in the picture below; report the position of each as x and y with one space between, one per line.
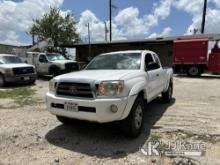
89 39
106 32
33 38
88 33
204 16
110 18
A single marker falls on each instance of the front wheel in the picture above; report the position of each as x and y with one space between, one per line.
32 82
133 124
55 72
2 81
167 96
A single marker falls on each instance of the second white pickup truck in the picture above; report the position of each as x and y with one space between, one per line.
113 87
51 63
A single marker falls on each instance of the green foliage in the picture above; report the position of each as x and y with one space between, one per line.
62 29
21 96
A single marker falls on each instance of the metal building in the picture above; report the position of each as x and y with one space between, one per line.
162 46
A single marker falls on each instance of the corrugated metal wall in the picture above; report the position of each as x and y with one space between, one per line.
164 50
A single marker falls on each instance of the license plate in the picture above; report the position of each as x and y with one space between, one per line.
71 107
26 78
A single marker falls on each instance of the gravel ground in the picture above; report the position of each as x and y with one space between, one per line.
31 135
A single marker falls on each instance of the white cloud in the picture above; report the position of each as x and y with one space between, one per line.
162 11
17 17
166 32
130 22
126 24
96 26
212 22
195 8
189 6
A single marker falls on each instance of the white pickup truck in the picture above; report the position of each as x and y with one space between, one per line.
13 70
113 87
51 63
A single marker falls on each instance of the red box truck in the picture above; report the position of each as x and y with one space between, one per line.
191 56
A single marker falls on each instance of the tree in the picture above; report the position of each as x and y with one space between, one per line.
62 29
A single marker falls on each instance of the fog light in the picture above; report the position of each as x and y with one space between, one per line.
114 108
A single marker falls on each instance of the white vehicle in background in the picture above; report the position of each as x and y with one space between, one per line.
51 63
13 70
113 87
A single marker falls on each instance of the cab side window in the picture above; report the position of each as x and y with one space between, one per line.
43 59
148 59
157 60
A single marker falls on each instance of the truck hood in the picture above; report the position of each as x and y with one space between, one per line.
8 66
96 75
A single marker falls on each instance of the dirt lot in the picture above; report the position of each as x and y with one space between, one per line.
31 135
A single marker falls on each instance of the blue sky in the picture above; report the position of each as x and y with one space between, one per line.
101 9
133 19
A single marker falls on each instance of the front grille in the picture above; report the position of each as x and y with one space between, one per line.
69 67
23 70
74 89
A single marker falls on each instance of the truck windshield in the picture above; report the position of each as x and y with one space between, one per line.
121 61
10 60
55 57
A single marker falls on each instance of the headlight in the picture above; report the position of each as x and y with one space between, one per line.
110 88
52 86
62 66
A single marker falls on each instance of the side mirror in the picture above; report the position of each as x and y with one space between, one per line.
152 66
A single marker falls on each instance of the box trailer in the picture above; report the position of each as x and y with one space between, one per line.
191 56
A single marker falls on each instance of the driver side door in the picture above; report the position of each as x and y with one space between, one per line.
42 64
152 77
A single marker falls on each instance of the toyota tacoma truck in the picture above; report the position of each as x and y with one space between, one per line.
13 70
113 87
51 63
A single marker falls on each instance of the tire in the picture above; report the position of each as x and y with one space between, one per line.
133 124
32 82
167 96
194 71
64 120
2 81
54 71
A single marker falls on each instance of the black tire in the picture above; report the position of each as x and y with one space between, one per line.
64 120
193 71
32 82
54 71
167 96
2 81
133 124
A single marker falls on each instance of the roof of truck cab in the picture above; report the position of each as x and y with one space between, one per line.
127 51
